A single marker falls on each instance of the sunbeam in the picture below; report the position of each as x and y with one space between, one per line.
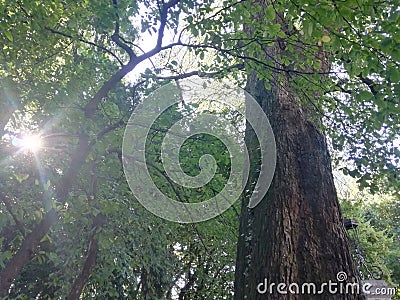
31 143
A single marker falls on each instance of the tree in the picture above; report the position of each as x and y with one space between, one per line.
377 233
64 65
296 234
377 245
67 210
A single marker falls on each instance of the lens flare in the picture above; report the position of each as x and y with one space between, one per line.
31 143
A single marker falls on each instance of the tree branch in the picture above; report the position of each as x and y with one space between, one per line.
106 130
91 107
163 20
90 261
86 42
116 38
28 247
82 278
370 83
9 208
77 160
32 240
188 285
198 73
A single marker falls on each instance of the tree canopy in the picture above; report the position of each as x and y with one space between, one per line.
72 73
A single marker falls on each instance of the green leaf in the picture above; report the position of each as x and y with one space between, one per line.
386 42
394 74
397 89
325 39
46 185
364 96
309 28
21 177
9 36
270 13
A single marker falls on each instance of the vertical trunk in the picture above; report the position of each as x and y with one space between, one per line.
27 249
295 235
90 261
81 280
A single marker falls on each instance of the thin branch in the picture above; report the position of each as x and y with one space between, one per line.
374 51
342 89
370 83
9 208
91 107
90 261
52 54
86 42
198 73
213 16
140 48
163 20
116 38
249 58
108 129
188 285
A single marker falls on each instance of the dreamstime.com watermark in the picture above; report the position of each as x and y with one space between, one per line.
217 103
340 286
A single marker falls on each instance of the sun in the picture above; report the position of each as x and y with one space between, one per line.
31 143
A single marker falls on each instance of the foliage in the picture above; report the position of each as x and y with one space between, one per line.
356 96
63 65
377 234
50 81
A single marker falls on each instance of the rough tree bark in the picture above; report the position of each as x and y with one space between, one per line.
295 235
90 260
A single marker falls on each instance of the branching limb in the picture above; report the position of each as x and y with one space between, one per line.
163 20
91 107
32 240
140 48
110 128
25 251
90 261
370 83
116 37
80 39
9 208
200 74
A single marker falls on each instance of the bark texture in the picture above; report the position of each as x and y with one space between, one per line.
90 260
81 280
295 235
25 252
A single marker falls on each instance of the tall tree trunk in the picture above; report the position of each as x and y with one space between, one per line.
90 260
295 235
